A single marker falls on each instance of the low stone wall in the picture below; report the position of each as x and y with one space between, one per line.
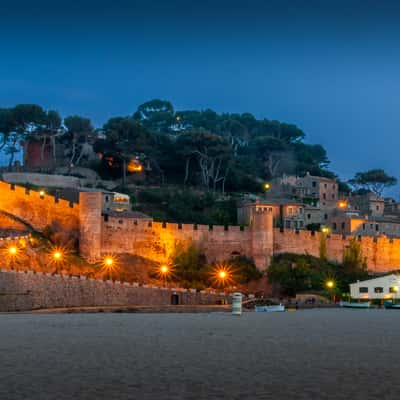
27 290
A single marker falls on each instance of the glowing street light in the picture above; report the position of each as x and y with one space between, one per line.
108 261
164 270
42 194
109 265
325 230
222 275
330 284
342 204
57 255
12 251
267 186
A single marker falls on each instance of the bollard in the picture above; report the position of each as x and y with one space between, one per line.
237 303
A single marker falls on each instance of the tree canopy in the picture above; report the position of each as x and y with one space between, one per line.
374 180
218 151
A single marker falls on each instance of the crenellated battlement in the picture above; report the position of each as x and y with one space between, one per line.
138 224
100 234
37 209
34 194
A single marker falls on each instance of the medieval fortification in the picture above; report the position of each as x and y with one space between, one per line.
101 234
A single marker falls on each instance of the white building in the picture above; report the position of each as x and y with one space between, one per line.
384 287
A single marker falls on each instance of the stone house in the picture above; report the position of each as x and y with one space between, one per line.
286 213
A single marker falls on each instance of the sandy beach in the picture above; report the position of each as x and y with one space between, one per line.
310 354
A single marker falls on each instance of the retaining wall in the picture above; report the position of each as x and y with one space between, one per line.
27 290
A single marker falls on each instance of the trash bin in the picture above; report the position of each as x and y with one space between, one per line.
237 303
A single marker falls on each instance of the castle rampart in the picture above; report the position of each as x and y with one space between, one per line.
102 234
36 210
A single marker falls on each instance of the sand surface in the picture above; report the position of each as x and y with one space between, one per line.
309 354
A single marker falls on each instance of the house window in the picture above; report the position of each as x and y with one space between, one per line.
287 224
334 226
371 226
314 184
363 289
363 227
333 196
308 216
377 208
290 210
377 227
106 198
393 289
301 224
325 185
324 196
378 289
325 216
343 225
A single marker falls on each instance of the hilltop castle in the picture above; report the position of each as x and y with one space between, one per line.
101 230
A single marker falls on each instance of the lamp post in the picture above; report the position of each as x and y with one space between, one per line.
395 290
12 254
330 285
108 265
164 272
58 258
223 276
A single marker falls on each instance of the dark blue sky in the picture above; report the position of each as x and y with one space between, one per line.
332 68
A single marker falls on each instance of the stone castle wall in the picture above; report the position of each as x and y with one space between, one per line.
158 241
101 235
382 254
27 290
38 212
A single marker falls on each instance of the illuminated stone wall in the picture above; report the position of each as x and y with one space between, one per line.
382 254
158 241
99 235
21 291
36 211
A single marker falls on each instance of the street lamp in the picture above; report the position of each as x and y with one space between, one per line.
164 270
41 194
395 289
330 285
57 255
12 251
267 186
223 276
108 261
109 265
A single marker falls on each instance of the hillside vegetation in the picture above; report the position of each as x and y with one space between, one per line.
200 148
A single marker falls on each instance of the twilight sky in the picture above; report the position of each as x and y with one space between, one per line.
330 67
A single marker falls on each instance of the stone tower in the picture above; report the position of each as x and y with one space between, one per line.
90 220
262 238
